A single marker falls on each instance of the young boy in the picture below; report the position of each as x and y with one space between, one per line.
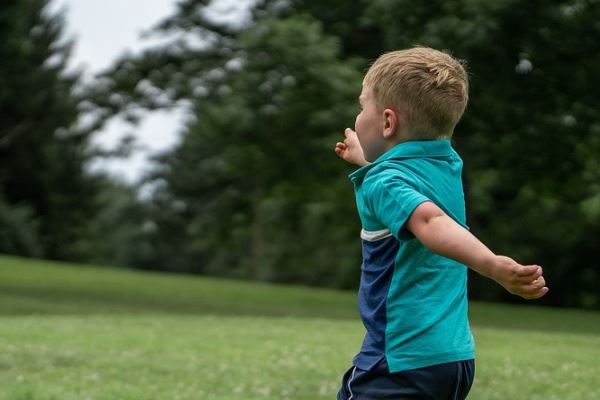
416 246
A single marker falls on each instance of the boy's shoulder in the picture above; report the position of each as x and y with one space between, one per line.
386 179
388 170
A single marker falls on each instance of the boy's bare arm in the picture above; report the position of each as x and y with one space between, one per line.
350 150
442 235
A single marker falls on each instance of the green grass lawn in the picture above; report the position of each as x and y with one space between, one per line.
79 332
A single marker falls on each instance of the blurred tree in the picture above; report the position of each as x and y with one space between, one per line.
19 230
253 189
255 168
120 230
45 190
358 36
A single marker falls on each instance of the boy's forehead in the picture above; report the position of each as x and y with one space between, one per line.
365 93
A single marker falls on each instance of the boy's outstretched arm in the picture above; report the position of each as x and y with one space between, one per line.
442 235
350 149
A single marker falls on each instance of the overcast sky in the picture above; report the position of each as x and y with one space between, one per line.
104 29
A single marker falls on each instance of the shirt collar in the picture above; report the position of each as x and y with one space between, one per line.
410 149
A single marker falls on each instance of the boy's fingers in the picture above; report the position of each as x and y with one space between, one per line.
348 132
534 289
539 282
528 281
529 271
535 293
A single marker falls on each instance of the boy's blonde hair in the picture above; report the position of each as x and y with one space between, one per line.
428 87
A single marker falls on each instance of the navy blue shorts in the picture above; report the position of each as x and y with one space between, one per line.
450 381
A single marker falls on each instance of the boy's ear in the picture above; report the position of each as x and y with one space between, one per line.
391 122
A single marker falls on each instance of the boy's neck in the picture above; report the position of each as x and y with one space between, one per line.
398 138
404 138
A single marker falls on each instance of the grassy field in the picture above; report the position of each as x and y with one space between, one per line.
79 332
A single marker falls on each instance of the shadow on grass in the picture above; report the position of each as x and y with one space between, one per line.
534 318
36 287
35 301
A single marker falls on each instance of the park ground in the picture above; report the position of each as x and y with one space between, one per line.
71 332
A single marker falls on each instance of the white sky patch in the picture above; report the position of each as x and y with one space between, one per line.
230 12
104 30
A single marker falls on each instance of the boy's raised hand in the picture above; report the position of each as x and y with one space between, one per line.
350 150
526 281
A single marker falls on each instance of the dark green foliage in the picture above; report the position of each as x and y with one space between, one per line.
531 135
254 190
119 231
41 158
18 230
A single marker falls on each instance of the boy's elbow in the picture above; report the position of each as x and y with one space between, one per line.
423 217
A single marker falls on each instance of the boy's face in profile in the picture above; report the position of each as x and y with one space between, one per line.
369 126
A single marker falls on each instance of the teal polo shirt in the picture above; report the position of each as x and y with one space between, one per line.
412 301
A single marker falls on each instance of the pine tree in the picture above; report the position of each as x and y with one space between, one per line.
42 154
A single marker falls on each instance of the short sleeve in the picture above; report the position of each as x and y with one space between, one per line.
392 199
